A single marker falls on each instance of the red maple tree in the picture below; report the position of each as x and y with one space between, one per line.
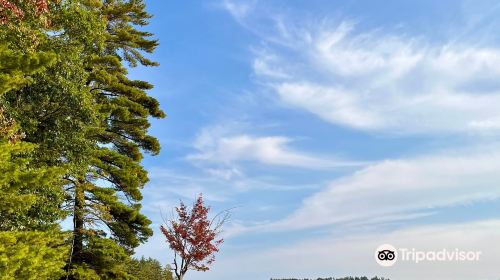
193 237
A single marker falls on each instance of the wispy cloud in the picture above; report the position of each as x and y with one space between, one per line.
389 189
378 81
215 146
238 10
167 183
381 82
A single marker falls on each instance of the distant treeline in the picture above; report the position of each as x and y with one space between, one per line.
332 278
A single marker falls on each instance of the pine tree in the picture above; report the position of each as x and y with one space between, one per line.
32 255
15 68
31 245
90 120
122 134
26 190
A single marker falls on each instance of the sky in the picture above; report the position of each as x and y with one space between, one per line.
329 128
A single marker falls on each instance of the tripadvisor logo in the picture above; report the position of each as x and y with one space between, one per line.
388 255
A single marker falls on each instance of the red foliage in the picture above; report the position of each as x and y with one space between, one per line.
6 6
193 237
42 6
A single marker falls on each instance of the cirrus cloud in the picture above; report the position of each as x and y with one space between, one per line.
382 82
394 189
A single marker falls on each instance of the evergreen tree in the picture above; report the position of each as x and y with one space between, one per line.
32 255
15 68
88 119
114 170
31 245
150 269
27 191
55 110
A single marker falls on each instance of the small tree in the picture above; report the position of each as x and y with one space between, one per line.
193 237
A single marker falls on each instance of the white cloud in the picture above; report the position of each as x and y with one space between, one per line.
224 173
268 150
376 81
237 9
392 188
268 65
333 104
167 185
216 147
385 82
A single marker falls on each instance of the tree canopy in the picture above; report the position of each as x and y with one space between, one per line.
73 130
150 269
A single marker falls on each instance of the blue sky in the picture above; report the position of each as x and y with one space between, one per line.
330 127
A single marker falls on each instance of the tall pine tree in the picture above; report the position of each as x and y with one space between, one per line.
109 193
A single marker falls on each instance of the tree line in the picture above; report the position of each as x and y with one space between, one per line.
73 132
332 278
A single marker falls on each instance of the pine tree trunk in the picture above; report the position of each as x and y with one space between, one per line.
78 221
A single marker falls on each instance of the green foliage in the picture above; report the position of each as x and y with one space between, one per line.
77 128
120 135
150 269
32 255
28 194
14 68
14 200
83 271
102 259
31 244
